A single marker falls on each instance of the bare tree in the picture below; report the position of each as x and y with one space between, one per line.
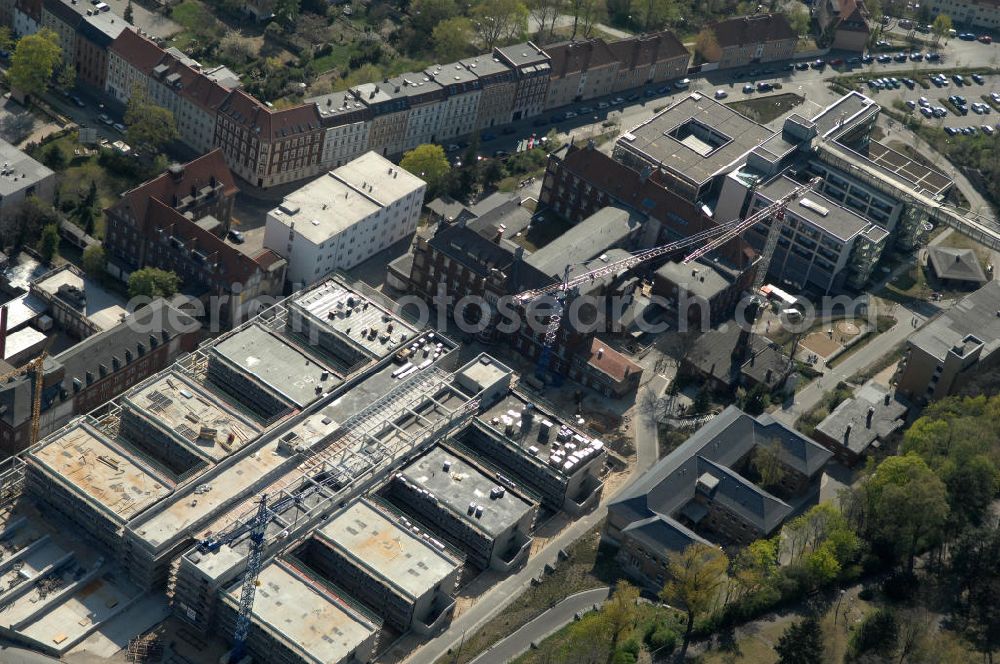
545 13
585 14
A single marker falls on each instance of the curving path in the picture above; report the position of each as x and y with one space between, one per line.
541 627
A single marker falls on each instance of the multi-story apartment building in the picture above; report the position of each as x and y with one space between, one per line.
131 58
425 104
344 217
176 222
580 70
978 13
823 245
460 108
27 17
746 39
346 123
389 116
96 34
498 88
650 58
960 341
531 72
267 147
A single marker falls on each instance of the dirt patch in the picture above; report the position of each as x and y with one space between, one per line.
821 344
847 329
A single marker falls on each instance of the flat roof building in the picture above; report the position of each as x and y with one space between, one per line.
402 573
962 339
93 481
344 217
20 177
298 620
350 328
79 303
483 515
266 373
690 143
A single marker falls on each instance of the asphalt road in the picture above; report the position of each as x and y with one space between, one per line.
542 627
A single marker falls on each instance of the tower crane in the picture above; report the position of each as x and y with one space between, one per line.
37 366
704 242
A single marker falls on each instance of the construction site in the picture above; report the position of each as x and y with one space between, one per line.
308 487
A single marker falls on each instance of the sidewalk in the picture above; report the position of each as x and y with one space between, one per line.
542 627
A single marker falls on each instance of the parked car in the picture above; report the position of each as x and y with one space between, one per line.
978 79
910 104
683 84
923 101
916 56
487 137
569 115
802 66
721 94
987 129
119 127
932 57
76 100
926 112
910 83
236 236
748 88
867 58
883 59
789 67
836 62
452 147
617 101
632 97
819 63
958 78
854 61
103 117
951 131
900 57
764 86
986 39
967 36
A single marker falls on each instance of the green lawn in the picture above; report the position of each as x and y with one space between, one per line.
74 180
334 59
765 109
200 25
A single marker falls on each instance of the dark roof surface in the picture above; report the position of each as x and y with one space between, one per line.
744 30
666 489
956 264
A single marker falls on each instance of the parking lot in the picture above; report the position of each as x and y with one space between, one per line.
961 105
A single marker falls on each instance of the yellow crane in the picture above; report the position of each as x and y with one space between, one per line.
37 366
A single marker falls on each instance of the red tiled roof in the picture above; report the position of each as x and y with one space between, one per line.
163 188
138 51
579 56
745 30
610 362
269 124
204 92
644 50
852 16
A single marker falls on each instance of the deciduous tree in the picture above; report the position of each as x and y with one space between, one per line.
34 61
94 259
452 39
153 282
499 21
696 578
618 613
706 46
148 124
428 162
798 18
941 26
767 463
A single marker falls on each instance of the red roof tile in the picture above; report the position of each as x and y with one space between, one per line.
138 51
645 50
610 362
578 56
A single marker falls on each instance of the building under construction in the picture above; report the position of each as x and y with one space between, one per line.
324 418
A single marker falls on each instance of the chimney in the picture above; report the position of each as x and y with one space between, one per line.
519 253
847 433
600 353
868 418
887 398
767 376
176 172
3 331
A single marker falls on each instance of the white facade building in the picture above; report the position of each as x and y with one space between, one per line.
344 217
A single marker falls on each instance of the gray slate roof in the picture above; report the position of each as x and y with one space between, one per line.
666 488
956 264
